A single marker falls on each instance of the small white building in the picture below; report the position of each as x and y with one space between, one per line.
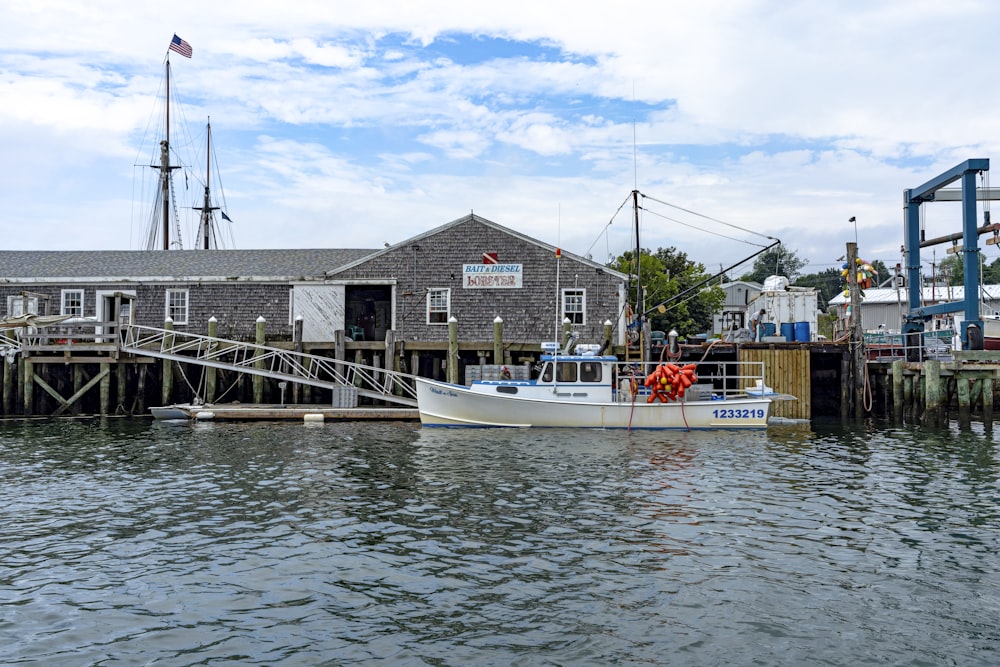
739 294
790 311
882 308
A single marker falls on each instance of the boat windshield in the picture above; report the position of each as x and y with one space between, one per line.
566 372
590 371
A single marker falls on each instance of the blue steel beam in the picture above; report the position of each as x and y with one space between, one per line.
912 199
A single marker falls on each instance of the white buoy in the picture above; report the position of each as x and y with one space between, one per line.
313 417
204 414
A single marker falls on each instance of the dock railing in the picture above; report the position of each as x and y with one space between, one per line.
275 363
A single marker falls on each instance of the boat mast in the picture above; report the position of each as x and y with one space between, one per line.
165 169
205 225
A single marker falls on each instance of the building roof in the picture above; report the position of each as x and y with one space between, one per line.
930 295
181 265
473 218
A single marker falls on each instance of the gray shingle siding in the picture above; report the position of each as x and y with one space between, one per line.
238 286
435 260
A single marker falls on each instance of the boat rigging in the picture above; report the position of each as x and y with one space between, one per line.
162 229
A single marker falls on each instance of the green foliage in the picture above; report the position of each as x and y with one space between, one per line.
953 268
827 283
778 261
665 274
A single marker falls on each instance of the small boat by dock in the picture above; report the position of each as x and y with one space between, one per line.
188 412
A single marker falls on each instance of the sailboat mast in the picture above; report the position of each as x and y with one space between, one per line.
206 209
165 169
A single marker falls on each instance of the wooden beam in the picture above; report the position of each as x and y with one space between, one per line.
65 403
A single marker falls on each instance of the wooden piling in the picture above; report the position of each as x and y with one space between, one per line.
452 363
258 380
898 400
105 389
932 371
167 388
498 340
211 373
28 387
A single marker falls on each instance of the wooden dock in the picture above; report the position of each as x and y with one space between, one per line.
302 413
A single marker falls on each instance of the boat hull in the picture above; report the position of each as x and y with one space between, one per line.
448 405
171 412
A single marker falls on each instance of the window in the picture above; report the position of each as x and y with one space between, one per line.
72 302
590 371
566 371
574 305
177 305
438 305
16 305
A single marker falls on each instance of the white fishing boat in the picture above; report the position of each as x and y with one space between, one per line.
584 390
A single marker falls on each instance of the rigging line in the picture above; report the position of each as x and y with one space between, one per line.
605 229
701 215
731 238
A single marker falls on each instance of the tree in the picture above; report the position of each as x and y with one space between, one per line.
778 261
827 283
666 274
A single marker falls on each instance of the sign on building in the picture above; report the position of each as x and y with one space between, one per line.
491 276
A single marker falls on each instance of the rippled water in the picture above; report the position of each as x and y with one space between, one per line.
130 543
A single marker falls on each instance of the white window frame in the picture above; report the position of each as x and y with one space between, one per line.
178 313
580 313
434 295
15 305
65 296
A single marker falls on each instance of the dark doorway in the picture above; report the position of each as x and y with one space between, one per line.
368 310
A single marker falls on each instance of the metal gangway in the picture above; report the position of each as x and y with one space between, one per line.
270 362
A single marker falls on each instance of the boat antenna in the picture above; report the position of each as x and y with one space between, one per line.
557 339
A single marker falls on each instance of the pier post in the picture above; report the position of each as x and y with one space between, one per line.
390 359
167 388
856 333
140 390
932 371
845 388
608 343
567 330
297 342
452 366
258 380
977 393
211 373
908 395
9 376
105 389
498 340
988 402
28 387
121 378
964 403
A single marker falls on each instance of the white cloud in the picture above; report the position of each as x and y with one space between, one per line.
783 118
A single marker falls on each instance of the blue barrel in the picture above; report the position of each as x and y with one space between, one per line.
802 332
768 328
788 331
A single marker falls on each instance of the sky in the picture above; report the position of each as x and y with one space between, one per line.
353 125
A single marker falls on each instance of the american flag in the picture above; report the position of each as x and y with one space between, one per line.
180 46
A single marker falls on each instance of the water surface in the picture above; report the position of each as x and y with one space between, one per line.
130 542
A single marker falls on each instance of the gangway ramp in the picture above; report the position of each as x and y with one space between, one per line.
270 362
